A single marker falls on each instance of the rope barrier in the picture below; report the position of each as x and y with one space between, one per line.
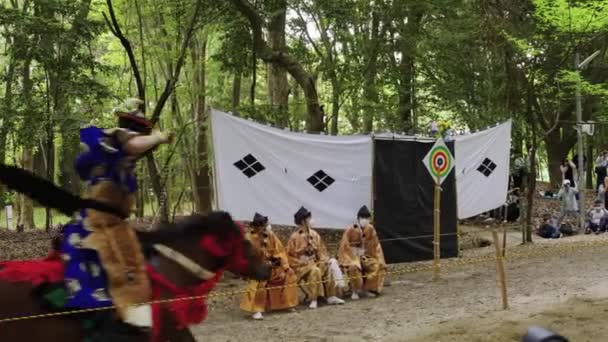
400 270
329 244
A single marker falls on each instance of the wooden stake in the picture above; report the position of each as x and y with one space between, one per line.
436 230
504 241
500 270
504 232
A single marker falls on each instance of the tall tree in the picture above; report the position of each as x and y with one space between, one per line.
172 79
278 85
284 60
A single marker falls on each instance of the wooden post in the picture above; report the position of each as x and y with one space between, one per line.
500 270
504 241
436 230
504 231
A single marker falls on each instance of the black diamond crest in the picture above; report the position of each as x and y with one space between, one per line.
487 167
321 180
249 166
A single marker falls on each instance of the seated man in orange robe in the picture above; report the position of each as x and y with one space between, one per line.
318 274
281 292
360 254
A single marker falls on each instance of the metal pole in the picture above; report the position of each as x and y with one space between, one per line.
580 169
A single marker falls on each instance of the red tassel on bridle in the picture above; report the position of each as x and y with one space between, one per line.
231 246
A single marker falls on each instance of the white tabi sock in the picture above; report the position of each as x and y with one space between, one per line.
139 316
336 272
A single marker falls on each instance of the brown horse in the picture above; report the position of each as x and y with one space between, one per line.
183 254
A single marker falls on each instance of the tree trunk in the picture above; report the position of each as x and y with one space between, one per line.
278 85
316 115
6 112
236 92
531 179
405 90
530 194
297 109
370 98
283 59
370 93
68 152
557 150
335 102
3 136
254 78
590 163
27 205
202 181
141 190
49 164
186 145
29 138
159 191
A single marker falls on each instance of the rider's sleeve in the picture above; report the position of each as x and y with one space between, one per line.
100 149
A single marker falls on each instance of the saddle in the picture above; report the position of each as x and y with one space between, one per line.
46 276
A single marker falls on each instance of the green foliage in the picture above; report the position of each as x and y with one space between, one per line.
398 65
567 16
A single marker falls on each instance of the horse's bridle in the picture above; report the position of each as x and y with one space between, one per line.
185 262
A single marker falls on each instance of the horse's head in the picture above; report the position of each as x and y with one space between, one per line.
214 241
227 242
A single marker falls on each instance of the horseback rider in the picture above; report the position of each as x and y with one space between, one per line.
104 264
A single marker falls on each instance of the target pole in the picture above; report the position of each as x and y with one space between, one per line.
439 162
436 230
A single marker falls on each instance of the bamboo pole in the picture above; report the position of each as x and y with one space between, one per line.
436 230
500 270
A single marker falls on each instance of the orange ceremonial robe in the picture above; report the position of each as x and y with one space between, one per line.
313 273
365 272
262 296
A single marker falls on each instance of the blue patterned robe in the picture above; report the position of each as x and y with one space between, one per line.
103 159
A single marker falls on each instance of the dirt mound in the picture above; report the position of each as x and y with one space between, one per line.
580 319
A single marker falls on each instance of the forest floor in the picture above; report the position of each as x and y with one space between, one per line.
559 284
554 283
567 292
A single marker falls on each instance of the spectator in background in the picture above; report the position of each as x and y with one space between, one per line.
548 229
602 192
519 170
600 168
596 218
575 162
568 169
567 198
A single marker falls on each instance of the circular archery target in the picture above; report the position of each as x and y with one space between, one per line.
440 162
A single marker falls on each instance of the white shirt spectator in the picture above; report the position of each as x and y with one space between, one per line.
596 214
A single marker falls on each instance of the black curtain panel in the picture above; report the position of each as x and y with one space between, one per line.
403 202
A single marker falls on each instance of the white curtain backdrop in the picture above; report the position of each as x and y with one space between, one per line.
274 172
482 170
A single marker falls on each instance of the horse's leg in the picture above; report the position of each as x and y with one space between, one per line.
170 331
187 336
16 301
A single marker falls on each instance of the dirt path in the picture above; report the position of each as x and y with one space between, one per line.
557 291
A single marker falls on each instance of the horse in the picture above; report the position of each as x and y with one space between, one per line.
191 254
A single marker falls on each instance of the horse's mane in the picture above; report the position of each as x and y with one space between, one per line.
190 228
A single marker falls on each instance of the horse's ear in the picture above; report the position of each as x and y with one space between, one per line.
221 222
161 233
193 225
